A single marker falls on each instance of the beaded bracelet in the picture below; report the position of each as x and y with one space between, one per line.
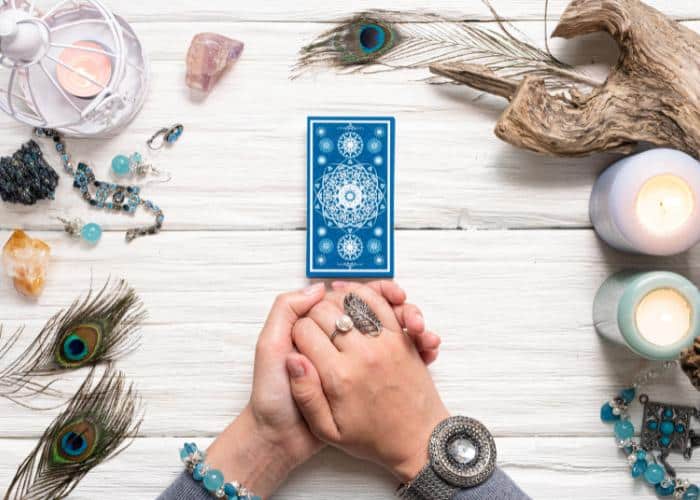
665 428
212 479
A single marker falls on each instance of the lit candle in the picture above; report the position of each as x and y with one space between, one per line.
85 73
656 314
648 203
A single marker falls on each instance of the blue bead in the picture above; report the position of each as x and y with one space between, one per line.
665 441
197 472
641 455
654 474
230 490
624 429
680 428
136 158
627 395
639 468
91 232
213 480
692 493
606 414
652 425
183 454
120 165
667 491
668 412
190 447
667 427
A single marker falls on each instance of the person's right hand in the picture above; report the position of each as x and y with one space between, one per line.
370 396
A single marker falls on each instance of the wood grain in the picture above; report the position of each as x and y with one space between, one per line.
233 240
242 146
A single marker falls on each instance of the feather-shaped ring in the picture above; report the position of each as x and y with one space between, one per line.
364 319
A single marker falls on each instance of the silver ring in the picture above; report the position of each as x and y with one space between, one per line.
362 315
342 325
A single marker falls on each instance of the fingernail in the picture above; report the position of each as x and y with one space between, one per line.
295 368
312 289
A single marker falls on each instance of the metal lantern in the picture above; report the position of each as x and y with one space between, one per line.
73 66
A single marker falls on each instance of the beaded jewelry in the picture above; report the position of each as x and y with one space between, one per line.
665 429
165 136
115 197
212 479
123 165
90 232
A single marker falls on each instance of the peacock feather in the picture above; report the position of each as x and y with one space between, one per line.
379 40
99 328
94 427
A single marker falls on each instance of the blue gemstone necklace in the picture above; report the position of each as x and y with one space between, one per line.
107 195
665 429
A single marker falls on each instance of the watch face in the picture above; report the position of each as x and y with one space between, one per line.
462 452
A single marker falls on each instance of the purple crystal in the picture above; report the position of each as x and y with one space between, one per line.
209 56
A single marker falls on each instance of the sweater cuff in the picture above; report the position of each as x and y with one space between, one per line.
185 488
498 487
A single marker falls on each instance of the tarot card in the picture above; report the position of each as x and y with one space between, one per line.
350 197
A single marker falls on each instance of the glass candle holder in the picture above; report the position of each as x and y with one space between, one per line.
655 314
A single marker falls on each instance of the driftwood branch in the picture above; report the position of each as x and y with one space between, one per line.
652 94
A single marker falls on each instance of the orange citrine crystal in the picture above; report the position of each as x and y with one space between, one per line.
26 261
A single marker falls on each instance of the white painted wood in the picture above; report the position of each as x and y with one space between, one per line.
331 10
237 165
564 469
513 307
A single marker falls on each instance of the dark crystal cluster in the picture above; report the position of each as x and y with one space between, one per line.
26 177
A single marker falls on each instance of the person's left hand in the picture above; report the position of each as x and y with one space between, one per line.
270 438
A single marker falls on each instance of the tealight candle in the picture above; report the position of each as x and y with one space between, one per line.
656 314
648 203
84 73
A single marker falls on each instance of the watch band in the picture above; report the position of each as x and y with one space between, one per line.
428 486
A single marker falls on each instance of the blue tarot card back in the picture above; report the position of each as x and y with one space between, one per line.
350 197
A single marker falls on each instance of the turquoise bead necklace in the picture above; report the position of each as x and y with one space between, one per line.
665 429
107 196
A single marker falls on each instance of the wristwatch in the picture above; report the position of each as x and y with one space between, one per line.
462 454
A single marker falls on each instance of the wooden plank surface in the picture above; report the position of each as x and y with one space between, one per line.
513 307
235 167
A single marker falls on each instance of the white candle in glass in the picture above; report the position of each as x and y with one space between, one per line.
656 314
648 203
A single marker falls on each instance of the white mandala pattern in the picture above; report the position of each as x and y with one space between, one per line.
350 145
350 196
350 247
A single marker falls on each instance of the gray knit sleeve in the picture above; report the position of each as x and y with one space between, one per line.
185 488
498 487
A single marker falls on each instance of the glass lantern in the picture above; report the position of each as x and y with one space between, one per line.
73 66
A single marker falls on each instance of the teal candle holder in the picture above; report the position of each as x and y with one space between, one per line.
616 312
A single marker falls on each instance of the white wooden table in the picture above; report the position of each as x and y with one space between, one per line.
494 243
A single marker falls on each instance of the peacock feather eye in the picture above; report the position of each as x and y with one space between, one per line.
372 38
365 41
75 442
79 345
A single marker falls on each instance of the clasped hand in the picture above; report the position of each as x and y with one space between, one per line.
372 397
